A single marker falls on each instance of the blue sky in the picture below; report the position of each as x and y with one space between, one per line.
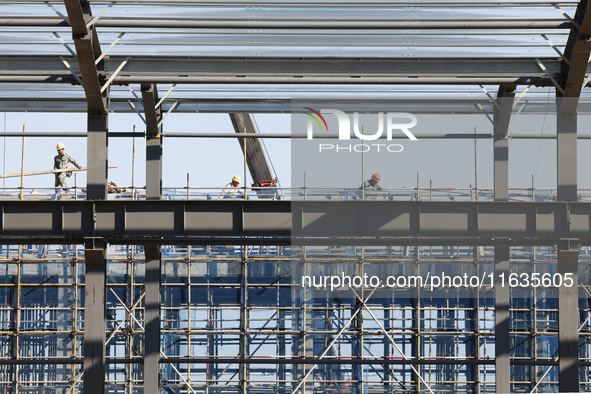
212 162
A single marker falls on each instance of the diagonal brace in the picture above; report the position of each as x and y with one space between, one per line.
364 305
332 342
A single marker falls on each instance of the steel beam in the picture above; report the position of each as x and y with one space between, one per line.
326 66
255 155
263 103
288 360
576 52
88 50
464 221
572 77
95 321
154 23
200 70
32 64
294 79
288 241
152 327
333 71
152 112
568 318
458 219
123 134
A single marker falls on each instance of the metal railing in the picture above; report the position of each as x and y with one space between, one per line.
282 193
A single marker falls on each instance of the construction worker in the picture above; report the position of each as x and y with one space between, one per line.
372 183
60 162
231 190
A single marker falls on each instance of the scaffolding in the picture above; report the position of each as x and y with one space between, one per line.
232 316
180 291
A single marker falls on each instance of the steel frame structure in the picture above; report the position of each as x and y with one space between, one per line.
203 310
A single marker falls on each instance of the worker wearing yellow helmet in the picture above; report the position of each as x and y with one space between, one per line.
61 162
231 190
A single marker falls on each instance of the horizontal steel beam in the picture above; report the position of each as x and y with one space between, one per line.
180 134
194 66
441 219
196 70
289 241
198 66
296 361
53 134
153 23
327 79
144 218
262 104
320 221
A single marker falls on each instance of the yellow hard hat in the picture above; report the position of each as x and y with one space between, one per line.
61 146
236 178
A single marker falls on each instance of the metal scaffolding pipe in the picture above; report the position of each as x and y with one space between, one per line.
180 134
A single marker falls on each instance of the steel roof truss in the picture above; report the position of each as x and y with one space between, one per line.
88 50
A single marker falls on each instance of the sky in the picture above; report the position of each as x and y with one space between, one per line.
213 162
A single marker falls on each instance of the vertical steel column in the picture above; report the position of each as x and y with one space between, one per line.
153 142
568 318
98 157
502 116
94 315
502 323
573 71
568 250
153 264
88 51
566 145
154 168
153 253
572 80
152 327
